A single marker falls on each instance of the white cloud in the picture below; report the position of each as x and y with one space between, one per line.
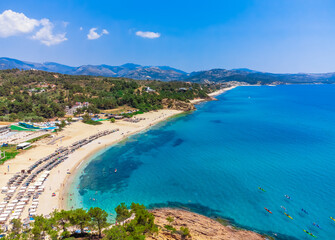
45 35
13 24
81 28
150 35
92 35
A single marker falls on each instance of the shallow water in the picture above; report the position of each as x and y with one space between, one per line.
213 160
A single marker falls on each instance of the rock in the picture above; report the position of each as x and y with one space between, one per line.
201 227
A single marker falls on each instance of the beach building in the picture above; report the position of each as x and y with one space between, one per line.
4 129
148 89
23 145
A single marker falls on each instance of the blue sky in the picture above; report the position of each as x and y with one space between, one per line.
265 35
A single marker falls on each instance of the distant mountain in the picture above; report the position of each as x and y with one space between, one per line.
166 73
128 70
255 77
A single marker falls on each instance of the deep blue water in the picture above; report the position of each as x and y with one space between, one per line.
213 160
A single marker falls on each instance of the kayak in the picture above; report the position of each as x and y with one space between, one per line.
288 215
283 208
268 210
311 234
261 189
316 225
332 218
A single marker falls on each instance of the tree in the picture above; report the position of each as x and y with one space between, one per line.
17 226
41 227
86 118
143 222
112 120
170 219
62 218
80 218
116 233
185 232
98 218
122 212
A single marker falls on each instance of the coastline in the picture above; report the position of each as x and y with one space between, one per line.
59 180
84 158
212 95
68 180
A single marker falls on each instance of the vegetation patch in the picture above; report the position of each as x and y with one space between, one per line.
10 152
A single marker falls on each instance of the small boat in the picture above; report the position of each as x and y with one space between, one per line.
288 215
309 233
261 189
287 196
332 219
268 210
115 170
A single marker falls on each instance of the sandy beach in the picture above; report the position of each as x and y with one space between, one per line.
212 95
72 133
59 177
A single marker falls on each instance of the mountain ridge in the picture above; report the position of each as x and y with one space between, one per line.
167 73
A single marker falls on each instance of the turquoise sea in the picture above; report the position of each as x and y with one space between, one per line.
213 160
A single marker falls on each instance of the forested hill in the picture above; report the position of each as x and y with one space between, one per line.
165 73
255 77
37 95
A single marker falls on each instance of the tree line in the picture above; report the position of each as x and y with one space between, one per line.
79 223
36 95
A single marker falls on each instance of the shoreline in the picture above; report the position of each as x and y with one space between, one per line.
68 180
83 156
59 181
212 95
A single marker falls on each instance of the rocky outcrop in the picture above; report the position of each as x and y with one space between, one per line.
177 105
201 227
